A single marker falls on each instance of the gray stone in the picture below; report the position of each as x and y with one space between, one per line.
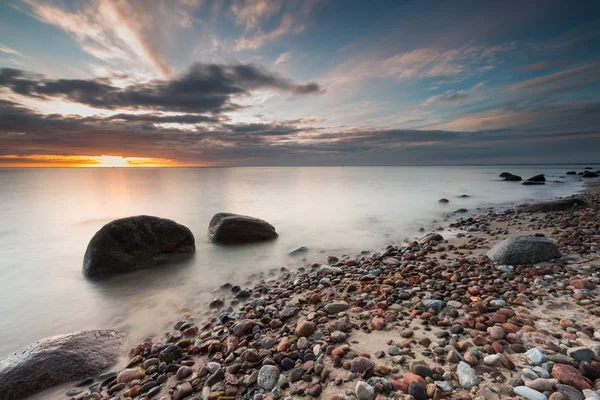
59 359
536 356
467 377
364 391
434 304
580 353
444 386
233 228
338 337
268 376
524 250
549 206
529 393
336 307
134 243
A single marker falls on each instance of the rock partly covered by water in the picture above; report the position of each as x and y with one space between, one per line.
524 250
510 177
233 228
58 359
132 243
550 205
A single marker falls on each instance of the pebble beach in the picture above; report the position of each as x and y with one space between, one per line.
431 318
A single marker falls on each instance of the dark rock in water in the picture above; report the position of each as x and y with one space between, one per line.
133 243
510 177
233 228
59 359
550 206
588 168
461 211
443 200
464 196
588 174
299 251
524 250
571 173
533 183
537 178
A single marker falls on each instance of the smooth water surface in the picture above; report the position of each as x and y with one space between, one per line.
49 215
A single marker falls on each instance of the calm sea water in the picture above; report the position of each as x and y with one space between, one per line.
49 215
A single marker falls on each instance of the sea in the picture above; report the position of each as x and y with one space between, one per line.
48 216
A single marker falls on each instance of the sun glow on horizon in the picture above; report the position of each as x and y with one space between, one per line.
102 161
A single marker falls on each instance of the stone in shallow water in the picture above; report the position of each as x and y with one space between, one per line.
70 357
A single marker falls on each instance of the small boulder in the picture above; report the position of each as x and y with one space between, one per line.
133 243
59 359
537 178
298 252
549 206
443 200
510 177
229 228
590 174
571 173
524 250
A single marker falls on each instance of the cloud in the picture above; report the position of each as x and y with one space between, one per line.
258 39
454 97
575 77
8 50
536 66
250 13
203 88
122 31
283 58
420 63
24 133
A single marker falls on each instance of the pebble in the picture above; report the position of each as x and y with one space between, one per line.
467 377
529 394
364 391
268 376
536 356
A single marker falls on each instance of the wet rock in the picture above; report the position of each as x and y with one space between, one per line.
129 374
549 206
580 353
524 250
59 359
230 228
183 372
132 243
510 177
298 252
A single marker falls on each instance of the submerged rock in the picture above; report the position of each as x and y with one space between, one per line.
524 250
233 228
549 206
132 243
298 252
537 178
59 359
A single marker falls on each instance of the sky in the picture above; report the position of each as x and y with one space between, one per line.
298 82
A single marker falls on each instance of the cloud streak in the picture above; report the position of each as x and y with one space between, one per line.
203 88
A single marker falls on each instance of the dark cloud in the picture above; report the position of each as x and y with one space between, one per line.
203 88
23 132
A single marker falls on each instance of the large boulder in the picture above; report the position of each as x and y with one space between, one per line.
589 174
524 250
233 228
510 177
537 178
57 360
550 205
133 243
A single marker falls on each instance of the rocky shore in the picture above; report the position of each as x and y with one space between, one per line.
431 318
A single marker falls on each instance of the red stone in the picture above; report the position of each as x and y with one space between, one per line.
570 376
408 378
